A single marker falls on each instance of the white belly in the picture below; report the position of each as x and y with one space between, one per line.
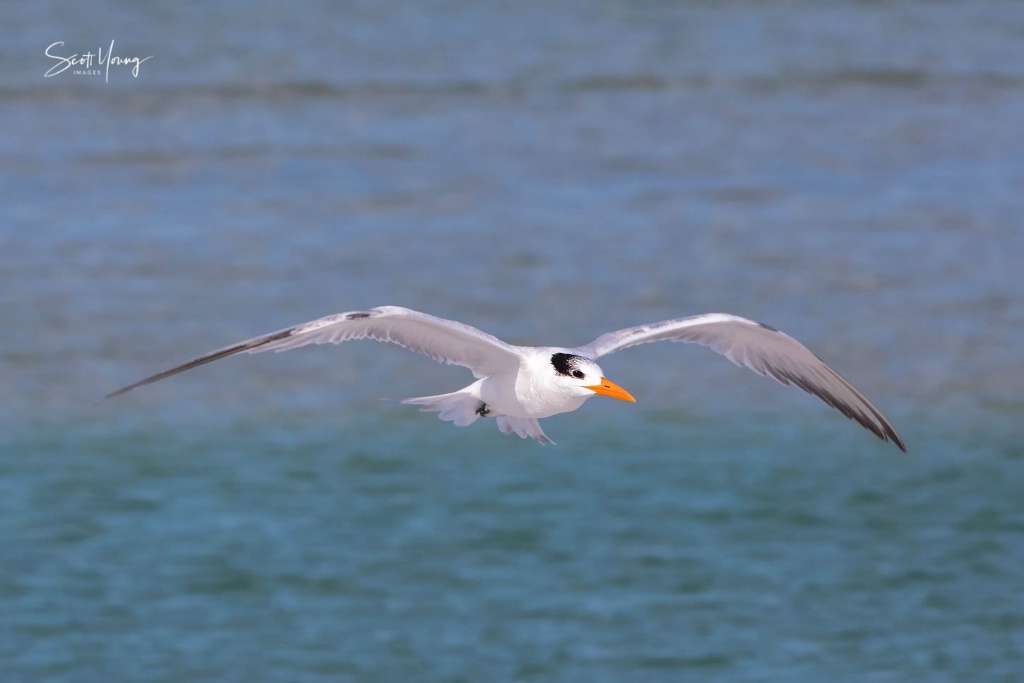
517 397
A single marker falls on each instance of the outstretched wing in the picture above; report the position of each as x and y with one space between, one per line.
445 341
764 350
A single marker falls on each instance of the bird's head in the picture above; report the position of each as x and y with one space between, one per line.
584 378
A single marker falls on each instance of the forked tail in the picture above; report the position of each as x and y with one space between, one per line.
458 407
462 408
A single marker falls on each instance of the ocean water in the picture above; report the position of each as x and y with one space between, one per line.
851 173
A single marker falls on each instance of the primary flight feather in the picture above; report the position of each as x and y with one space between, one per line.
517 385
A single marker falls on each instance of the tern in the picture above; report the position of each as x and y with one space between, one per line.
517 385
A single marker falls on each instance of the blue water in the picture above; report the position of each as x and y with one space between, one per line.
850 173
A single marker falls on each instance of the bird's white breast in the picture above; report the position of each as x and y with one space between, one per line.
536 389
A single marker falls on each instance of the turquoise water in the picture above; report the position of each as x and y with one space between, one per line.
274 554
850 173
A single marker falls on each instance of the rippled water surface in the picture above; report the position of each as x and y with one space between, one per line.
851 173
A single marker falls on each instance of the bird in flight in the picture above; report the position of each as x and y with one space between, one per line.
517 385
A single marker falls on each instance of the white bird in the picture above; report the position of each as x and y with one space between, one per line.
516 385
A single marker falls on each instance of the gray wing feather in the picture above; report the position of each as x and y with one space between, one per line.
764 350
446 341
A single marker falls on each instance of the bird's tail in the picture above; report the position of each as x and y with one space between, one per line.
458 407
463 407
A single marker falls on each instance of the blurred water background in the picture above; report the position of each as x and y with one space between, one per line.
850 172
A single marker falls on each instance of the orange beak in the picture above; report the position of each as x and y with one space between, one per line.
612 390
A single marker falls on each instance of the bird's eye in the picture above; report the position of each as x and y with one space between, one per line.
578 374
